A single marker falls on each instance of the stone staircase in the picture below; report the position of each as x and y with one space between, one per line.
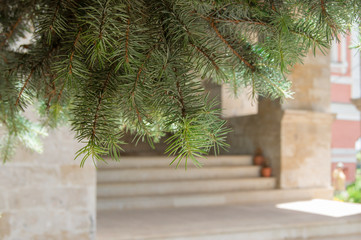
149 182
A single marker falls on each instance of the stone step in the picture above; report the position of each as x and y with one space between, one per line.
290 232
339 237
170 174
161 161
183 187
210 199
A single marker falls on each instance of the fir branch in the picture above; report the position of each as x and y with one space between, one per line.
7 149
39 64
317 41
100 99
51 95
102 21
11 32
51 25
207 56
327 17
61 92
149 53
140 69
323 8
249 65
154 88
305 35
24 86
273 6
127 38
181 99
249 21
73 51
192 42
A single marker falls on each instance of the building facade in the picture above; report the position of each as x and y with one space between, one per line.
345 86
49 197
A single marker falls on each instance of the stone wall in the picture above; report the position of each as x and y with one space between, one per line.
311 84
295 136
306 126
258 131
48 196
305 149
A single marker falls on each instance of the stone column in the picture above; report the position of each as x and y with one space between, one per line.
305 158
295 136
48 196
306 127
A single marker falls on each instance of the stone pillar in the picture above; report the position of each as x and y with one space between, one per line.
305 158
48 196
295 136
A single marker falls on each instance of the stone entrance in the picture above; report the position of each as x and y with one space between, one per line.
49 197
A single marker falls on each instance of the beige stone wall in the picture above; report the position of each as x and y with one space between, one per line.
311 84
261 130
306 126
48 196
305 149
296 135
240 105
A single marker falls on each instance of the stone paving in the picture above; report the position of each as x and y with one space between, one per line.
241 222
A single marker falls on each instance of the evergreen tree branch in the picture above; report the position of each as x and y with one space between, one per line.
24 86
113 66
10 33
73 51
327 16
127 38
102 19
51 95
33 69
140 69
100 99
181 99
248 21
202 51
249 65
60 92
51 26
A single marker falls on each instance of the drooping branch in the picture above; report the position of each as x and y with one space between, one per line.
73 51
100 99
11 32
141 69
61 92
192 41
181 99
246 20
327 16
245 41
24 86
323 8
102 21
248 64
207 56
305 35
51 27
39 64
51 95
127 37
